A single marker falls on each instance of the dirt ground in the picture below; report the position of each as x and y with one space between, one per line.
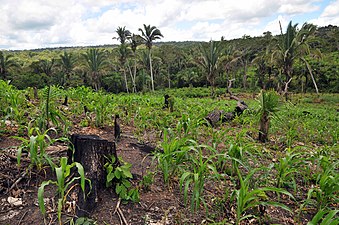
159 204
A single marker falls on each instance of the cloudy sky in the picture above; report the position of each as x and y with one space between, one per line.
28 24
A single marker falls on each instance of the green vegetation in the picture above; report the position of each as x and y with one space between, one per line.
63 184
298 60
120 175
278 153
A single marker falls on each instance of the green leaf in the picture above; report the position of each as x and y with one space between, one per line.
126 183
41 195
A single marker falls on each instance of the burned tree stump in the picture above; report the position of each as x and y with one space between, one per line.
220 115
91 151
214 117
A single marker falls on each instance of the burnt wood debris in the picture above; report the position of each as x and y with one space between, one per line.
220 115
92 152
166 103
117 129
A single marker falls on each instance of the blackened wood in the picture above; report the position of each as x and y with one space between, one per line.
117 129
240 108
91 151
65 103
214 117
166 103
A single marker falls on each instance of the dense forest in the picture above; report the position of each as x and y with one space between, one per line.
302 59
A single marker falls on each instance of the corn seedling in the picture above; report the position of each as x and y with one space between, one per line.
327 186
201 168
325 217
286 169
36 146
247 198
62 173
173 155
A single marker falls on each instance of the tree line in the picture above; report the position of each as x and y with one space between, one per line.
299 59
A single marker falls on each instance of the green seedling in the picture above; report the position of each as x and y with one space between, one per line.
63 184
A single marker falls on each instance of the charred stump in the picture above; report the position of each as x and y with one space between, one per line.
91 151
166 102
117 129
220 115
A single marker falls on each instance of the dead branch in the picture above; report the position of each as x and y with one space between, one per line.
120 213
230 92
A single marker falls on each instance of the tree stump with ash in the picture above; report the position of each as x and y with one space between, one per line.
91 151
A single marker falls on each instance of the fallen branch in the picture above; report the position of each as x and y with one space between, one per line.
229 90
120 213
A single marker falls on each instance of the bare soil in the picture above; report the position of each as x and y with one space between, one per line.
159 203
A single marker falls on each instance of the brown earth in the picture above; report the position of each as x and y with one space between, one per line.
159 203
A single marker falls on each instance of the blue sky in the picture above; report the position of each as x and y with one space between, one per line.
28 24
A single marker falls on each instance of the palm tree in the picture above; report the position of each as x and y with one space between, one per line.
269 102
210 60
46 66
243 57
135 41
67 63
123 36
149 34
292 46
6 62
95 61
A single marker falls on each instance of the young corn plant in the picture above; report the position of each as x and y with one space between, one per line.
247 198
326 189
50 114
175 153
325 217
120 175
36 145
200 169
62 173
286 168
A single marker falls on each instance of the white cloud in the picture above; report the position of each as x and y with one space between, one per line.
42 23
330 15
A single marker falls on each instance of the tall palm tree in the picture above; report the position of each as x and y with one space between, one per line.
292 46
150 34
135 41
95 61
6 62
210 61
123 36
67 64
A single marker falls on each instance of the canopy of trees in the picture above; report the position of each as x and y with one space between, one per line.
299 59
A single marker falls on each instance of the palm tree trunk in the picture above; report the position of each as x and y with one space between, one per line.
245 76
169 77
150 67
135 74
264 127
125 76
313 80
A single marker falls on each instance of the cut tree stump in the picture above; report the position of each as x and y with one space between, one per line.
91 151
220 115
